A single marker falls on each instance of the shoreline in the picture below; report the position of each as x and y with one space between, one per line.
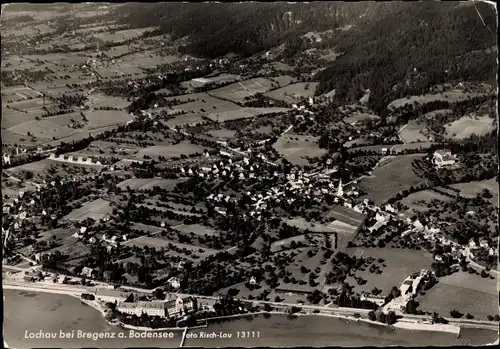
413 326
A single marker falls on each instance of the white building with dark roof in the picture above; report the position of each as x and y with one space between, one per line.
443 158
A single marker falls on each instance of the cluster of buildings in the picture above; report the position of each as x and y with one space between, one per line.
409 289
75 159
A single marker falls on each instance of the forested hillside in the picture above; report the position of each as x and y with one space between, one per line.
381 48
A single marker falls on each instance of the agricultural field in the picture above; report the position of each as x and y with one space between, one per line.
158 243
357 117
295 148
471 189
203 104
243 113
448 96
293 93
98 100
467 293
285 243
104 118
223 134
122 35
413 133
40 168
284 80
185 119
211 79
196 229
467 126
239 90
345 231
170 151
149 183
54 127
146 228
97 209
393 175
400 264
418 201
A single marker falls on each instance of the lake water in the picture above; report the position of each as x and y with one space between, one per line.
28 313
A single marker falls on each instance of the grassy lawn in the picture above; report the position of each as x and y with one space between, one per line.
400 264
390 177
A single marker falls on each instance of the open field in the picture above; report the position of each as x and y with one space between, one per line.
96 210
104 118
284 80
357 117
346 215
158 243
296 147
149 183
212 79
243 113
467 126
170 151
54 127
223 133
285 243
412 133
345 232
41 167
467 293
390 177
417 202
186 119
203 104
196 229
146 228
448 96
122 35
239 90
471 189
400 264
293 93
98 100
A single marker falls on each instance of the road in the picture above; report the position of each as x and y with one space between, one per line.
341 311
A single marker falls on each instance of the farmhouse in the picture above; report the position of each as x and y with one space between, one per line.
443 158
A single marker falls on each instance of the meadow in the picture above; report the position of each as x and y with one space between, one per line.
97 209
467 293
237 91
295 147
467 126
170 151
391 176
294 92
400 264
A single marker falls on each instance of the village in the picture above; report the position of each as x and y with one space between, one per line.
166 190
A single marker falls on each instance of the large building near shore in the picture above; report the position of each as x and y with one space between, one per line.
175 308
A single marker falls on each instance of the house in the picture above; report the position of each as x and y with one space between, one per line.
174 282
87 272
252 281
472 243
443 158
181 306
483 243
379 300
92 240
